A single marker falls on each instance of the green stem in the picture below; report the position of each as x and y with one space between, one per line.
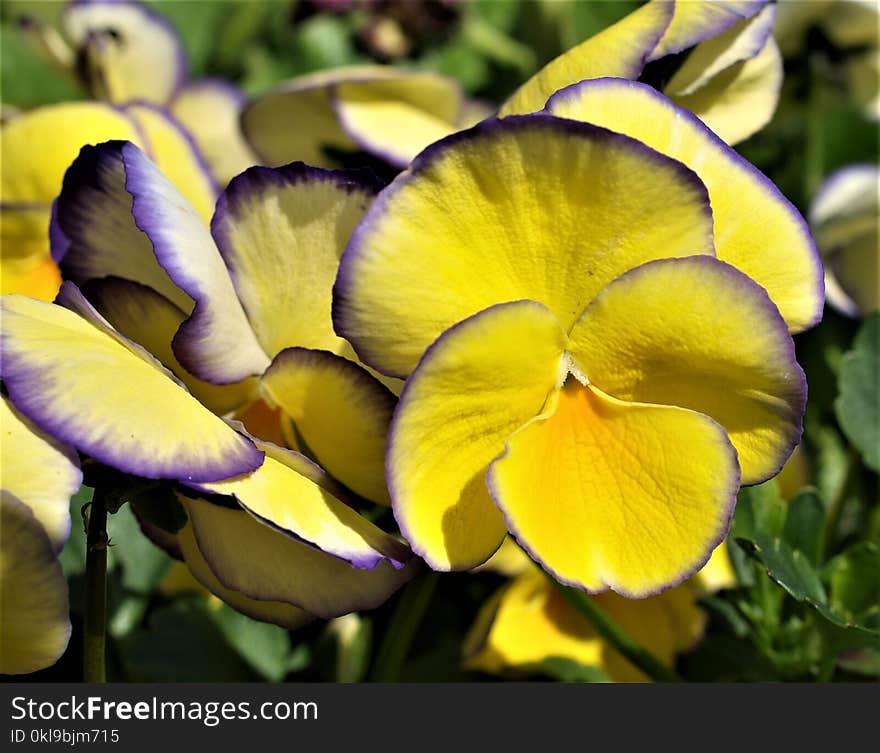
410 610
615 635
95 616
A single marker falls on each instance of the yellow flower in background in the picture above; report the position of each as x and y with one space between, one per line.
32 177
844 216
528 621
38 476
574 342
730 80
388 112
125 52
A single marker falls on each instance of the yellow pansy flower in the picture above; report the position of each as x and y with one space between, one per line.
570 315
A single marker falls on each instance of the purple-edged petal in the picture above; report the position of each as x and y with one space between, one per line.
297 498
697 20
83 383
526 207
34 621
216 343
129 50
699 334
39 471
276 612
395 118
210 110
756 228
480 380
148 318
620 50
341 412
611 494
263 563
281 233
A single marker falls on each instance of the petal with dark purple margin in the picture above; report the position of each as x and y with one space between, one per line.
281 232
341 412
296 497
479 381
259 561
756 228
610 494
216 343
276 612
83 383
699 334
93 216
620 50
526 207
694 22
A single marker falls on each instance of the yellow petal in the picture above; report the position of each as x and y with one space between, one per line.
697 20
136 53
716 574
756 227
175 153
148 318
698 334
281 233
34 623
86 385
502 212
39 471
293 495
35 277
398 117
209 110
250 557
31 176
387 111
510 560
529 622
741 100
480 381
341 412
611 494
277 612
620 50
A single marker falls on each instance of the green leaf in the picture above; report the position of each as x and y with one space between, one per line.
854 582
805 525
792 571
183 644
759 509
26 78
858 407
264 647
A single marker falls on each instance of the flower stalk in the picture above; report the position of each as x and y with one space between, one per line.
615 635
95 613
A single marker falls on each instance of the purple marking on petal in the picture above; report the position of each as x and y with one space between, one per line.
254 181
727 152
184 133
59 243
350 258
403 401
729 505
713 30
23 379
